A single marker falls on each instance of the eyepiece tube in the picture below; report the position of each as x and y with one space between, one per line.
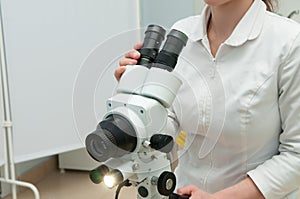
154 36
168 56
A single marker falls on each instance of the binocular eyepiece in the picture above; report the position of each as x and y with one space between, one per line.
167 57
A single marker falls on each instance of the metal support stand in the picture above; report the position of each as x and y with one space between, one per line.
9 164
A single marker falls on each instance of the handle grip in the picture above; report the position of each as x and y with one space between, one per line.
177 196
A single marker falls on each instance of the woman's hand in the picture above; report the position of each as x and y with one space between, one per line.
245 189
130 58
195 192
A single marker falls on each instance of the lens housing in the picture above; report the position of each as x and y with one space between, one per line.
154 36
114 137
97 174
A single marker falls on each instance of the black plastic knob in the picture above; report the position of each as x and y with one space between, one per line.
162 143
166 183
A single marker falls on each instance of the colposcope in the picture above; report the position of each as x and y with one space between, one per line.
132 141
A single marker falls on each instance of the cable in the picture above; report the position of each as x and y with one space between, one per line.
121 185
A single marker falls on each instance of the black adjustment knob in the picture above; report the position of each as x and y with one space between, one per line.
166 183
162 143
143 192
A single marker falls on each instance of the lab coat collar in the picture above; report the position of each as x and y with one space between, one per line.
200 27
248 28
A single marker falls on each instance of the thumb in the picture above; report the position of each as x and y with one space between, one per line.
119 71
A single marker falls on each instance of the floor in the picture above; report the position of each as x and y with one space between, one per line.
74 185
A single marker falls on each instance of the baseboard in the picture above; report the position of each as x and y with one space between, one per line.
39 172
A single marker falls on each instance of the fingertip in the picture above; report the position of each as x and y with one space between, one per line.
138 45
179 191
136 54
134 61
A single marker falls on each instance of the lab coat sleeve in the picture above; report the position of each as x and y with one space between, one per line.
281 175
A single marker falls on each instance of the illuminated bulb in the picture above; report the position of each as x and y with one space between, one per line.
113 178
97 175
109 181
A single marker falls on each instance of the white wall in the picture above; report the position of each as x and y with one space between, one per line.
47 41
167 12
287 6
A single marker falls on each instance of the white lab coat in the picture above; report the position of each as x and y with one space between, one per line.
241 109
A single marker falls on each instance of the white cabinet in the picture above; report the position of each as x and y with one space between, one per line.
78 160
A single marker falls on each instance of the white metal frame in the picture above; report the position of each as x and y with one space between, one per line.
9 164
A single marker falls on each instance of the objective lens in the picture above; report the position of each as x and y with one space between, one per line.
154 36
113 178
97 175
114 137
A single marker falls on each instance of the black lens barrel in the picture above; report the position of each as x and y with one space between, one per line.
168 56
154 36
114 137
